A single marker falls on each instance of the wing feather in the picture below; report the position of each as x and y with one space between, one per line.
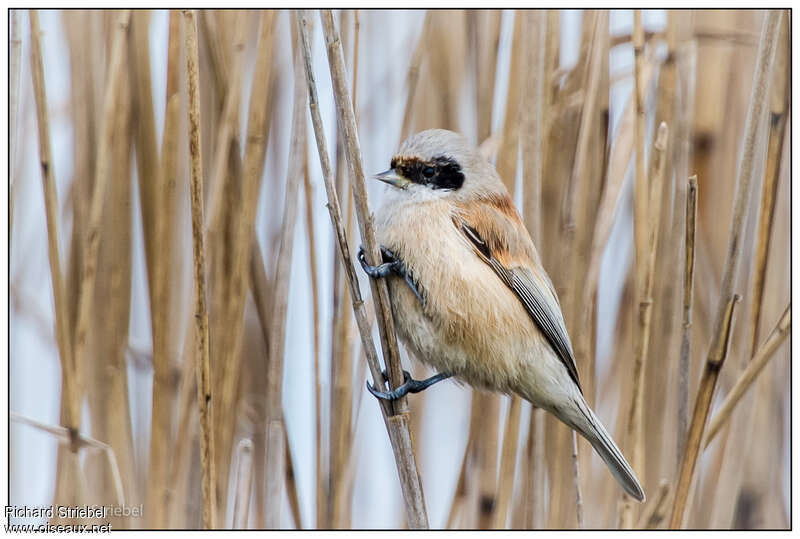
536 295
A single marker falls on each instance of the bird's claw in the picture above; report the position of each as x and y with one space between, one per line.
391 265
409 385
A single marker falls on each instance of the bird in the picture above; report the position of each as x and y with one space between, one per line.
468 292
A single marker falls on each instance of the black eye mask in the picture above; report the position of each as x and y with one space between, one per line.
439 173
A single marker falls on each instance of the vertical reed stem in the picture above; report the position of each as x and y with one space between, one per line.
62 332
397 425
688 301
202 362
718 348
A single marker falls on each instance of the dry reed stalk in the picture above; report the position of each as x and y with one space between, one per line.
508 460
779 93
349 133
146 143
397 425
15 62
683 148
63 338
339 406
460 493
656 509
486 24
577 481
335 211
315 312
202 361
688 301
289 477
665 277
229 124
486 409
533 114
580 175
718 349
261 290
67 437
705 391
413 75
102 173
573 232
85 115
242 227
224 228
635 431
588 178
515 120
163 191
280 304
755 366
107 384
652 193
341 428
538 506
534 111
244 484
617 163
157 195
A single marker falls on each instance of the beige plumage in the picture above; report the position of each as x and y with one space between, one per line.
487 312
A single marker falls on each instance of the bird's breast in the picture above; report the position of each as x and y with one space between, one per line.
470 323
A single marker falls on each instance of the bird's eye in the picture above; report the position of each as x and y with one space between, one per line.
428 172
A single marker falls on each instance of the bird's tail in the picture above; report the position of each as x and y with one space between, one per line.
593 430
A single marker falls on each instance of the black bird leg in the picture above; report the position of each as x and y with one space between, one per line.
391 266
409 386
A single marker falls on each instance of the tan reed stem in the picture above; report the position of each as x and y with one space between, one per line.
291 479
258 126
312 263
576 478
344 108
413 75
244 484
653 193
460 492
760 359
202 360
164 192
508 459
533 113
102 173
146 144
635 431
718 348
335 211
63 340
702 404
397 425
280 304
656 509
779 93
688 302
67 436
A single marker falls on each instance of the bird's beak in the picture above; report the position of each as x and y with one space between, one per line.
392 178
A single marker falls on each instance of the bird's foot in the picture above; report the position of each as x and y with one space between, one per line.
409 386
391 265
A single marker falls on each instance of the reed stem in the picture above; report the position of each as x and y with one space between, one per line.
202 360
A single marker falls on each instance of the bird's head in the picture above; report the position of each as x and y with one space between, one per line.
437 163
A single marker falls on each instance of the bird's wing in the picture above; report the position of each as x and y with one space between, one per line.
514 263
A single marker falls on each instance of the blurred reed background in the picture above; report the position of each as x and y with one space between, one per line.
595 120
